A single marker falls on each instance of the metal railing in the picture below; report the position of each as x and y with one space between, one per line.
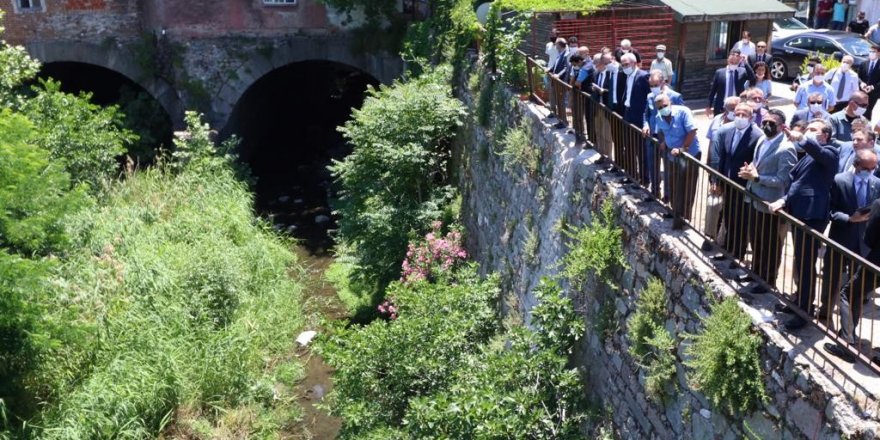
796 262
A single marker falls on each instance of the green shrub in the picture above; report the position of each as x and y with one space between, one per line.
395 181
596 251
519 151
35 194
86 138
382 366
725 359
650 342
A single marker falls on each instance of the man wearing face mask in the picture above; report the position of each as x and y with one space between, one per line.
805 78
649 126
677 133
767 177
662 64
635 89
745 46
844 82
626 47
815 110
722 118
755 98
816 85
808 200
869 77
842 121
761 54
729 81
851 197
732 146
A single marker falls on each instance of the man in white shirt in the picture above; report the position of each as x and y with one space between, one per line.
844 82
745 46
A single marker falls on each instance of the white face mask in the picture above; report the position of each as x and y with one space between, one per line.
818 79
809 69
628 70
859 111
759 106
816 108
656 90
740 122
844 67
660 55
731 115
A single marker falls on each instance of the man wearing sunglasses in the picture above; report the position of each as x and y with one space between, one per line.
842 121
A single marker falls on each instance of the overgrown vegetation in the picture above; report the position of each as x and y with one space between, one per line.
725 359
595 252
650 342
155 303
395 181
518 151
452 372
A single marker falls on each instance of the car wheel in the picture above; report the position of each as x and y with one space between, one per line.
778 70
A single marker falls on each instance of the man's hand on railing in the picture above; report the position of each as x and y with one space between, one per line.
709 112
675 151
777 205
646 131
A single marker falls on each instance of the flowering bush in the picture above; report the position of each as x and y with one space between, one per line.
436 254
388 310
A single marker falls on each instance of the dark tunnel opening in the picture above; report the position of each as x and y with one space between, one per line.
144 115
287 124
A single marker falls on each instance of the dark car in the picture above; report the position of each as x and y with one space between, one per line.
789 52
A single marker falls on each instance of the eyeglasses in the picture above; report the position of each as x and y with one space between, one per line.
758 99
762 46
815 102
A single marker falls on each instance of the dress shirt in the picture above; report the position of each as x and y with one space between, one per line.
629 86
746 50
850 87
680 124
802 97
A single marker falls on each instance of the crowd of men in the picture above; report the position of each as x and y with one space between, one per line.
820 165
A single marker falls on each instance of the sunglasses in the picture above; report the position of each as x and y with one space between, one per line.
815 102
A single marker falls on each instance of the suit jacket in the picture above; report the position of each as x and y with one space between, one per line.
804 114
870 77
729 162
719 85
754 59
604 98
808 197
872 233
847 155
844 203
638 98
561 66
619 53
774 162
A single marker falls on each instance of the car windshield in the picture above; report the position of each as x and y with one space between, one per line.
790 23
855 46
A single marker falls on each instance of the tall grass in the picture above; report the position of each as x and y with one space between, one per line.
175 297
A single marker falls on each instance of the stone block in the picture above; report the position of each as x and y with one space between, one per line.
805 418
759 427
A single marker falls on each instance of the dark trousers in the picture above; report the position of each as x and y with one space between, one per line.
806 250
766 244
734 215
651 165
857 292
680 184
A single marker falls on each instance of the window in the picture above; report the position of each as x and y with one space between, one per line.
825 46
803 43
27 5
719 37
279 2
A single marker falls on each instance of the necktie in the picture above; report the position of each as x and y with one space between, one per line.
731 90
860 193
737 135
841 86
602 80
871 67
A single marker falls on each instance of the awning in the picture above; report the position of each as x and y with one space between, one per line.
697 11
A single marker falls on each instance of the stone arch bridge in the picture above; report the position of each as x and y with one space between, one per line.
212 74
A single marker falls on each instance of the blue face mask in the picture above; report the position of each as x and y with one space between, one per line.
863 174
665 111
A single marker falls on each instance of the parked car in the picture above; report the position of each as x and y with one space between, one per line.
785 27
789 52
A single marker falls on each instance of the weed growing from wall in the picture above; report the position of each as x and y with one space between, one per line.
725 359
518 151
650 342
596 251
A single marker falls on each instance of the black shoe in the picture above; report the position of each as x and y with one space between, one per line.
795 323
840 352
758 290
782 308
559 125
707 246
552 115
732 265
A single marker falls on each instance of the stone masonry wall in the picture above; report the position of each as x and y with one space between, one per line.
514 220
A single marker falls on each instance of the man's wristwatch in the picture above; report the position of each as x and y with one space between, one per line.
757 179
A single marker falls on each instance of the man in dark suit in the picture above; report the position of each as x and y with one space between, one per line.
729 81
600 90
559 69
760 54
851 192
808 200
869 76
768 177
634 92
732 146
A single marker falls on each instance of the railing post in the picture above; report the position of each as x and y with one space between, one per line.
530 70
